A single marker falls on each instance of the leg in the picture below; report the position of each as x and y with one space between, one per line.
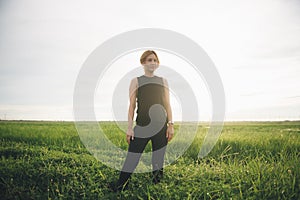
135 150
159 145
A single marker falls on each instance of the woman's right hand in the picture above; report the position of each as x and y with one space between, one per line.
129 135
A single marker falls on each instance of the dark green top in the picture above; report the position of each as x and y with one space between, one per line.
150 91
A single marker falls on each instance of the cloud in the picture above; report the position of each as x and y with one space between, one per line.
36 112
255 46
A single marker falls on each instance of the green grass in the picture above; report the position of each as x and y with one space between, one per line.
251 160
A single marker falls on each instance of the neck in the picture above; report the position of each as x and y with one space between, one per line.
149 74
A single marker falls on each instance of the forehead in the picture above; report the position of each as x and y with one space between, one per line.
151 56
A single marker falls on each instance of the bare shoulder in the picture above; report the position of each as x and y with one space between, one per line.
134 81
165 81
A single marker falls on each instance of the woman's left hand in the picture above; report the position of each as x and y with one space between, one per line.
170 132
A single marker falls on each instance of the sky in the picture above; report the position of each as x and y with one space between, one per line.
255 46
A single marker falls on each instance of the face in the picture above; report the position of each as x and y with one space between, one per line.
151 63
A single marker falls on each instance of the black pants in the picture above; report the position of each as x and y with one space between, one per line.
136 148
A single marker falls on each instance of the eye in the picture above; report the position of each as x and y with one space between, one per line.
150 60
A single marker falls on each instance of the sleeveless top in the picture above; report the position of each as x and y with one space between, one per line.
150 92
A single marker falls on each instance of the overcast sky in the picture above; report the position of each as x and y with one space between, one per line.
255 46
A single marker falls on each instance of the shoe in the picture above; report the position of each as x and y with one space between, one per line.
117 188
157 176
156 180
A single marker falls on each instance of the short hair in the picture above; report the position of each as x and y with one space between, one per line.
146 54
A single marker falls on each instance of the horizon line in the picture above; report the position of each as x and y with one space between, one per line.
41 120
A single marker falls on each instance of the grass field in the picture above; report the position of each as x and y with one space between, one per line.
251 160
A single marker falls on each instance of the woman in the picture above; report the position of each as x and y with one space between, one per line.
153 122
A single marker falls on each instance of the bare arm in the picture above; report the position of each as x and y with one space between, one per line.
132 105
167 101
170 130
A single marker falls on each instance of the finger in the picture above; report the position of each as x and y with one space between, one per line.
128 139
171 136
